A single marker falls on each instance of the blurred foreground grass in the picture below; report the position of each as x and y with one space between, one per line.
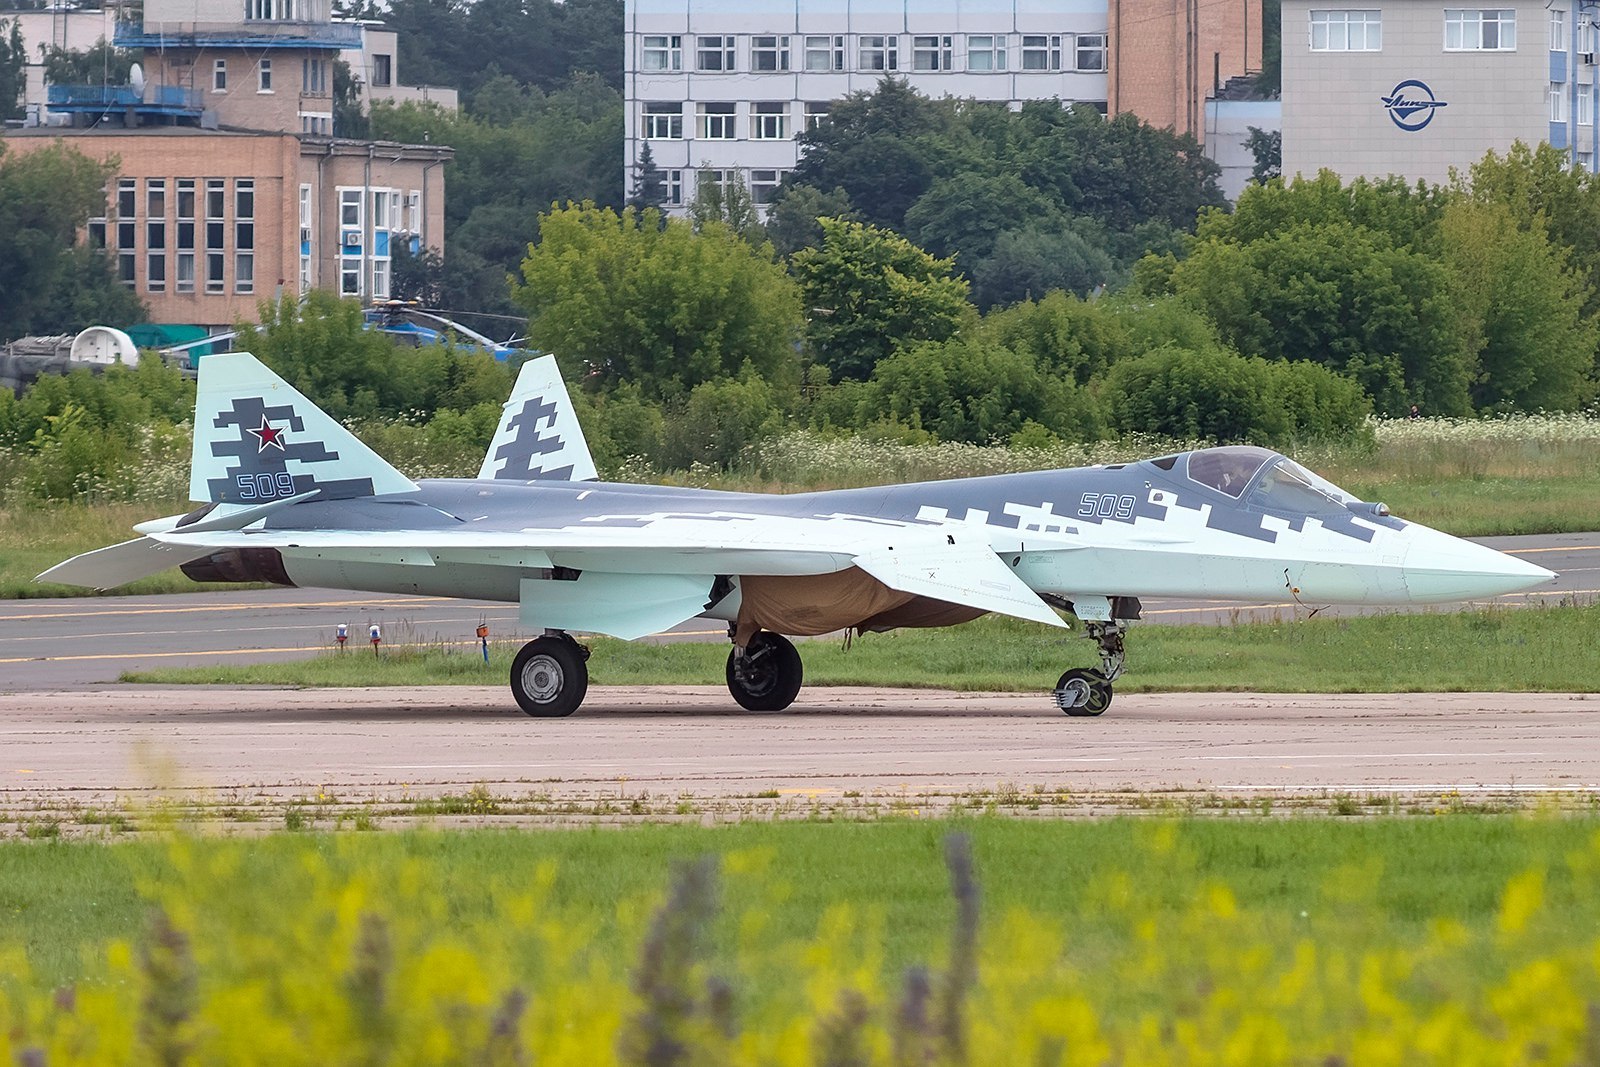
1490 650
1435 940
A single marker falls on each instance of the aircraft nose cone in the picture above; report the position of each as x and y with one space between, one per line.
1442 568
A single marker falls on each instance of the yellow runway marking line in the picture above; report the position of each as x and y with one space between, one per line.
241 606
1553 548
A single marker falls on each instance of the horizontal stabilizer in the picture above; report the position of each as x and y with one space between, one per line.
539 437
258 440
966 573
107 568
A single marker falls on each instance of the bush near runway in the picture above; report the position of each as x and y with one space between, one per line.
1451 940
1540 648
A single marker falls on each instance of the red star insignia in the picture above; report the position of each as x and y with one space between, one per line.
268 435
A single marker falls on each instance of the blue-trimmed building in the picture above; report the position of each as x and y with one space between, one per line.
1417 88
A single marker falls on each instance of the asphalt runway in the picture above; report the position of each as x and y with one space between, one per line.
92 640
101 746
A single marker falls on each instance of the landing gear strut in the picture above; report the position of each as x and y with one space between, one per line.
550 675
1085 692
765 675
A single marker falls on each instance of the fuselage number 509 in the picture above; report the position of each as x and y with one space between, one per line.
1105 506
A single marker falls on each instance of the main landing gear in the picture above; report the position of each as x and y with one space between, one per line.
550 675
765 675
1083 691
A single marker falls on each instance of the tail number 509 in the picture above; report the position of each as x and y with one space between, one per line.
1105 506
264 486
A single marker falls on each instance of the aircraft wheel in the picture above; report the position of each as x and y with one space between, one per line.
549 677
767 677
1082 692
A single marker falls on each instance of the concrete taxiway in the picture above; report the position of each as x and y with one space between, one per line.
96 746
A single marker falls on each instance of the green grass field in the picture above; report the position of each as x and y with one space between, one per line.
1457 939
1493 650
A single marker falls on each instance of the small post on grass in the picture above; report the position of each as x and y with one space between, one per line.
483 637
376 636
341 634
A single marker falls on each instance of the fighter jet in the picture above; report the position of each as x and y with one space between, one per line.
290 496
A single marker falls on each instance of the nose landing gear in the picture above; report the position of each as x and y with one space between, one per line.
1085 692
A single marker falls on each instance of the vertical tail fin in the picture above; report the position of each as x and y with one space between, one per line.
256 440
539 436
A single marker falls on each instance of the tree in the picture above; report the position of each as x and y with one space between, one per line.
350 119
103 64
47 285
13 63
1532 342
795 219
967 214
662 306
726 203
1267 148
1343 296
869 289
1036 260
1072 338
649 183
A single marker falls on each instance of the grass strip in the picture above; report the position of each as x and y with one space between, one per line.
1115 941
1546 648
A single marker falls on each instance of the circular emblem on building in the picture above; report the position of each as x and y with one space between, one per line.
1411 105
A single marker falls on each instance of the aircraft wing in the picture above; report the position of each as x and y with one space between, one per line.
926 560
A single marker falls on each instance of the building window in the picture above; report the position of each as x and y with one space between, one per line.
219 76
1041 51
716 121
714 53
155 234
986 53
769 54
706 180
382 70
97 233
314 77
825 53
878 53
272 10
816 113
674 185
769 121
380 279
349 276
414 211
127 230
663 122
186 235
1558 103
216 233
1475 30
306 238
1585 105
350 211
930 53
1091 51
764 185
316 125
1346 31
661 53
264 76
1558 30
1586 161
244 235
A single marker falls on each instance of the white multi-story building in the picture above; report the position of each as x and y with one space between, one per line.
1416 87
719 92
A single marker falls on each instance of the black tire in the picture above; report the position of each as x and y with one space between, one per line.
1099 691
768 676
549 677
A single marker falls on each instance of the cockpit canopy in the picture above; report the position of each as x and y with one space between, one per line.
1260 478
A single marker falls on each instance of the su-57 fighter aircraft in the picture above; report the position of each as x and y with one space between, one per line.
292 497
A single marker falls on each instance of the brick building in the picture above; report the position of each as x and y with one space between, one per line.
230 186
